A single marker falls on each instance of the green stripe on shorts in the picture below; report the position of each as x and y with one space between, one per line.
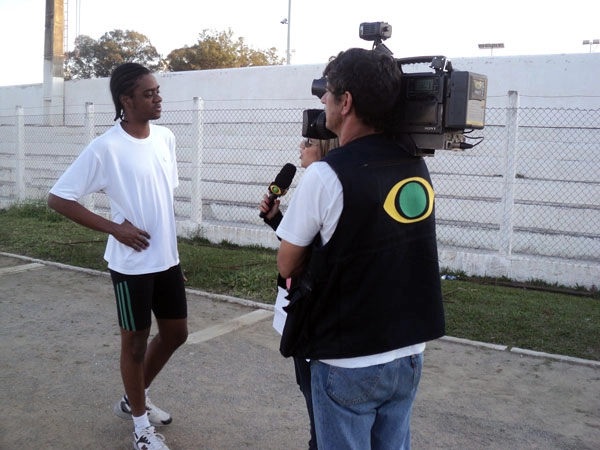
125 312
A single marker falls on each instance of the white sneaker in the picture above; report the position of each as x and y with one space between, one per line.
149 439
157 416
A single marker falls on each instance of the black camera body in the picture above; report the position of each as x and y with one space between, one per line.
434 108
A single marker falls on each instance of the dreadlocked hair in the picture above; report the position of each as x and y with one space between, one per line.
122 82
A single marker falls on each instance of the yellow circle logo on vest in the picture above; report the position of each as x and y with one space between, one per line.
410 200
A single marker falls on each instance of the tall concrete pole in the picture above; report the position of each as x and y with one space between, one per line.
54 81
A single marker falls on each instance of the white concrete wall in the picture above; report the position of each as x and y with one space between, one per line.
567 80
29 96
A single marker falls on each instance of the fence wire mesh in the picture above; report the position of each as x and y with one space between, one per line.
532 188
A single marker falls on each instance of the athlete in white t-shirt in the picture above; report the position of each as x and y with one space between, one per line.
134 164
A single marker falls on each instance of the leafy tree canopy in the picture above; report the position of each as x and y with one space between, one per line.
214 50
219 50
95 59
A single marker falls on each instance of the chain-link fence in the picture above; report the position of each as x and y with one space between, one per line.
530 187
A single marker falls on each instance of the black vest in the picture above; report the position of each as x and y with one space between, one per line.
377 282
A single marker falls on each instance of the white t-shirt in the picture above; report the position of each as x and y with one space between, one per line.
316 207
138 176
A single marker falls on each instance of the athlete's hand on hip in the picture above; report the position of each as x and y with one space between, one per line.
132 236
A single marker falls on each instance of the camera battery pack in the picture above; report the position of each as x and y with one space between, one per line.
465 105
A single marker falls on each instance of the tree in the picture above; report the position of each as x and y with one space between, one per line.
95 59
219 50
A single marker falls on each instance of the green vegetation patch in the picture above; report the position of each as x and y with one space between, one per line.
516 316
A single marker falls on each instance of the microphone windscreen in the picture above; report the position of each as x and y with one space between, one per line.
284 178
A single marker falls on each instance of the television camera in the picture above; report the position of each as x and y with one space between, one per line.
434 109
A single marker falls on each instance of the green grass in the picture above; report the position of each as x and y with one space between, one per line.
553 322
519 317
247 272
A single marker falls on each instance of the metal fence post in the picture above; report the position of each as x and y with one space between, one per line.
20 153
196 172
510 172
89 124
89 133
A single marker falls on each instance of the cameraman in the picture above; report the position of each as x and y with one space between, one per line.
376 295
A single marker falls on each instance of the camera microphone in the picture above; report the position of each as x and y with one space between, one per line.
280 186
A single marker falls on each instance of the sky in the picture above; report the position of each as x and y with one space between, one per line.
318 29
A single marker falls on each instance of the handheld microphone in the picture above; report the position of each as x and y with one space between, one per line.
280 186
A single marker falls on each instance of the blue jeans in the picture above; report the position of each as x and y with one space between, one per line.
367 408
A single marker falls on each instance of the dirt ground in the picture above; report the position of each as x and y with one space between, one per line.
228 388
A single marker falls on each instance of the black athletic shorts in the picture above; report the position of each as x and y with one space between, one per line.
139 295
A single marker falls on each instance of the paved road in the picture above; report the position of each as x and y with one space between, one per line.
229 389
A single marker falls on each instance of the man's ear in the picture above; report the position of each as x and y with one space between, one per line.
347 102
125 100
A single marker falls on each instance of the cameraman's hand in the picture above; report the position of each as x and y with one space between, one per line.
130 235
264 207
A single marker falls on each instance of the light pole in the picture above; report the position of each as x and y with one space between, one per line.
287 21
491 47
591 42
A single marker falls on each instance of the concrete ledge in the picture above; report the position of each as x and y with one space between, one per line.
230 299
569 359
56 264
474 343
264 306
521 267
